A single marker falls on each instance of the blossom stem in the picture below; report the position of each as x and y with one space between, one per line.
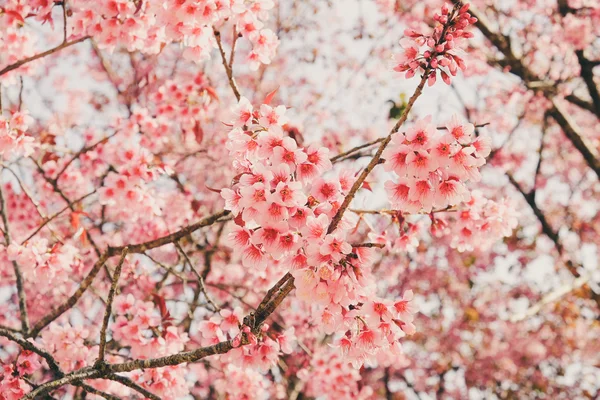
109 301
41 55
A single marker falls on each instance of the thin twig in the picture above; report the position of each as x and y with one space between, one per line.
112 251
49 219
18 275
27 345
109 301
41 55
375 160
551 298
129 383
198 276
228 69
95 391
64 9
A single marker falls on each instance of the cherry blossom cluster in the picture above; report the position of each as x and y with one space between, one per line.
52 264
481 223
329 373
130 185
263 350
68 344
22 213
434 165
14 140
177 107
140 326
15 42
436 51
237 383
283 213
146 26
12 384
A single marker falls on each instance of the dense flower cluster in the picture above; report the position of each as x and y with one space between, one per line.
53 265
12 385
130 185
176 107
263 350
68 344
482 222
433 166
133 154
283 214
147 26
436 51
14 141
141 327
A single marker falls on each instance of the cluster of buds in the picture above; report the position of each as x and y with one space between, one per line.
436 52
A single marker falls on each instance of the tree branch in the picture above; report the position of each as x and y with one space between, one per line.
228 68
518 68
54 367
18 276
375 160
41 55
112 251
109 301
129 383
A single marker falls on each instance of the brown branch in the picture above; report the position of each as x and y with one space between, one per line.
228 68
84 373
95 391
64 9
201 286
171 238
234 41
355 149
18 275
27 345
41 55
82 151
369 245
108 311
550 232
375 160
586 66
532 81
396 212
587 75
72 300
571 131
129 383
112 251
578 101
49 219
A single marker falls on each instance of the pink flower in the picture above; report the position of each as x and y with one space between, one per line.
450 192
316 227
335 247
323 190
404 309
395 155
272 118
421 134
420 164
398 194
242 113
289 194
288 153
463 133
